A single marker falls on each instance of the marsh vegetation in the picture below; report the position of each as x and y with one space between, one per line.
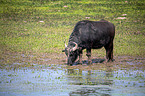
34 27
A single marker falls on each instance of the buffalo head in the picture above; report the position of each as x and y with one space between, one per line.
71 52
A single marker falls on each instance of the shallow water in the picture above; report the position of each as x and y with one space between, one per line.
58 80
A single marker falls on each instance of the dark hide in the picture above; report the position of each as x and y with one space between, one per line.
90 35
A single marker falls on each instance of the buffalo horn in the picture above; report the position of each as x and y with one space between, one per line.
76 46
65 45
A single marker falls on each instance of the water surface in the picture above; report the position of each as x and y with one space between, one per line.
58 80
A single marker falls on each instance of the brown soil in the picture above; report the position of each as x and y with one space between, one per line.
129 62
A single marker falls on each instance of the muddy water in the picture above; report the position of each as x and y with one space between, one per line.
60 80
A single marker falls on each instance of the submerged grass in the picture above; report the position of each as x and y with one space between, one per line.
41 26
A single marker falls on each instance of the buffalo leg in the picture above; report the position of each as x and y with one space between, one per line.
89 56
109 51
80 57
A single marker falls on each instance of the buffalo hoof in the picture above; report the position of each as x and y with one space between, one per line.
69 64
110 60
80 63
89 62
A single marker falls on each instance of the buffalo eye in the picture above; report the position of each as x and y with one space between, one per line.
71 53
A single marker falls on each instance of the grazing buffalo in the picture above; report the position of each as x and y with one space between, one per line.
90 35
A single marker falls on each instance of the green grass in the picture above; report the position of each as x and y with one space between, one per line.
22 31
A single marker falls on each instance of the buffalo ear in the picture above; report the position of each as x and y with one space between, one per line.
63 50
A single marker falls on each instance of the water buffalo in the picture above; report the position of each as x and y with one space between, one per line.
90 35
